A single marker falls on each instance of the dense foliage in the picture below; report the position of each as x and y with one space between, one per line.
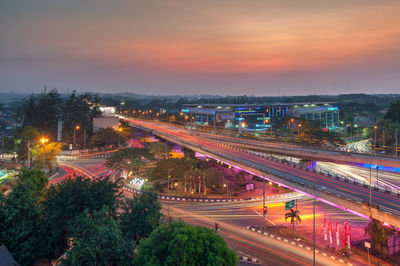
45 110
129 159
183 244
86 222
71 198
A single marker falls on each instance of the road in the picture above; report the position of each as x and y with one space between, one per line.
362 146
356 193
234 217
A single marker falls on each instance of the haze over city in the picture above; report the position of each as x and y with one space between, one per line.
195 47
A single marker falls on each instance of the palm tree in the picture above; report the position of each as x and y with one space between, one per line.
293 215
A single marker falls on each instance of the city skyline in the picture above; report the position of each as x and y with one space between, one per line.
224 47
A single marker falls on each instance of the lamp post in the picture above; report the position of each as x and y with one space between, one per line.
375 128
77 127
119 137
377 179
316 195
370 185
298 129
169 173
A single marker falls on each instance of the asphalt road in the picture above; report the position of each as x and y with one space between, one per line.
348 190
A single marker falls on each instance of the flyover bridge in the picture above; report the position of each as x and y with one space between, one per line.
345 194
305 153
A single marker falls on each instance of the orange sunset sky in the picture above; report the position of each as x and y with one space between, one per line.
285 47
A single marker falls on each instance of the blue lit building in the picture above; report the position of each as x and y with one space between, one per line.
260 117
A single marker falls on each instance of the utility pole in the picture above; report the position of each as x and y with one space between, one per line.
375 128
84 139
263 202
370 186
295 227
169 173
377 179
316 195
395 140
29 154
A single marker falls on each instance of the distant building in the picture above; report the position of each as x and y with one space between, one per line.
260 117
107 110
105 122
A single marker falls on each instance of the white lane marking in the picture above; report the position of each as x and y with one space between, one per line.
265 217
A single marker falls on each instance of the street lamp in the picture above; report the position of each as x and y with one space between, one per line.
43 140
298 129
119 137
316 195
77 127
375 128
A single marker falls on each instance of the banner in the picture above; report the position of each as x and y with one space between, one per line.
349 236
330 232
325 234
345 234
337 234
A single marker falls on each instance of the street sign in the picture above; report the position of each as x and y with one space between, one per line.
367 245
290 204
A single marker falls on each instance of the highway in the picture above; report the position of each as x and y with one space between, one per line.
235 216
288 149
347 190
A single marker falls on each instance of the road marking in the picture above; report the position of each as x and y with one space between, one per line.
265 217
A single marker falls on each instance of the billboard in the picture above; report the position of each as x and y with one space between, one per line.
364 121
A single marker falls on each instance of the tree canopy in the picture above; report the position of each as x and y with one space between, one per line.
183 244
105 137
393 113
98 240
21 224
129 159
36 180
141 215
67 200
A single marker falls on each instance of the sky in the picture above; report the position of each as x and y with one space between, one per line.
224 47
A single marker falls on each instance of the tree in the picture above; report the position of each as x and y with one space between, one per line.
36 180
379 235
141 215
105 137
20 224
28 141
393 113
293 216
183 244
98 240
43 112
158 149
129 159
79 110
47 153
67 200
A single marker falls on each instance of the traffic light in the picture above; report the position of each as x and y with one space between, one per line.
217 227
265 209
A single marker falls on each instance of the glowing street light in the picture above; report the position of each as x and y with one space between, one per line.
119 136
77 127
43 140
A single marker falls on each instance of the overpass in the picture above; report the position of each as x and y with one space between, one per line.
345 194
310 154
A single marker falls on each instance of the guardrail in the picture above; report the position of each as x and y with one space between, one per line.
378 212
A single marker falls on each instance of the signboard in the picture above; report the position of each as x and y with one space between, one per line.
289 205
364 121
367 245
